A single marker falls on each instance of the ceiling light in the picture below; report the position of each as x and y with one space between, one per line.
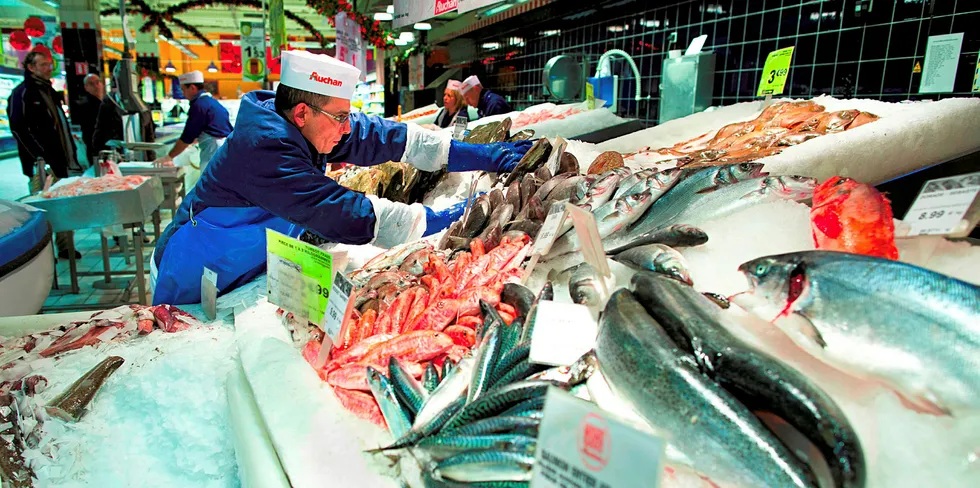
490 45
423 26
407 36
650 23
496 10
550 33
516 41
212 68
617 28
390 9
170 68
383 16
400 42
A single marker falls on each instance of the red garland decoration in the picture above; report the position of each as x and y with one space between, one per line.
371 29
19 40
34 26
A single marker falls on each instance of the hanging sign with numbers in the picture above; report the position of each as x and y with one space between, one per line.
298 276
350 45
775 72
253 51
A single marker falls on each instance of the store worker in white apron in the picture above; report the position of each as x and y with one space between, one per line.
207 121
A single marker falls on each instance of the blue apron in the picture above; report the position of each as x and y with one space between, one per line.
227 240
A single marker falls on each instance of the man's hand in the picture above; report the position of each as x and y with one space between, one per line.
163 162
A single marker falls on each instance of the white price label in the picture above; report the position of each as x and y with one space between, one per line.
554 160
588 235
337 305
284 281
209 293
549 230
581 445
459 127
563 332
942 205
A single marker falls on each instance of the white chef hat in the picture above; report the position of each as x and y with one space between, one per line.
191 77
469 83
453 85
318 73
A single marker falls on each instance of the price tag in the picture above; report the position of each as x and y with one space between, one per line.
581 445
591 243
209 293
563 332
590 96
976 77
775 72
943 205
459 127
298 276
554 160
337 305
549 229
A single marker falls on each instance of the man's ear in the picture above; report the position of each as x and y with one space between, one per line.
299 114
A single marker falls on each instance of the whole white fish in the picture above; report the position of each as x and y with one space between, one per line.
917 329
627 210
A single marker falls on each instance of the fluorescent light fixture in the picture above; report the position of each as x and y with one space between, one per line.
170 68
212 68
650 24
496 10
401 42
548 33
390 9
490 45
516 41
618 28
383 16
422 26
407 36
52 4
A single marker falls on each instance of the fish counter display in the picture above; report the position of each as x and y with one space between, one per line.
745 322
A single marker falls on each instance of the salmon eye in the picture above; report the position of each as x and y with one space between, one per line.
797 280
761 269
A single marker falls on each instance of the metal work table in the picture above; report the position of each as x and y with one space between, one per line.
172 178
129 208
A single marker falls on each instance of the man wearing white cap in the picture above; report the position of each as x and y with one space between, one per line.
485 102
207 121
269 174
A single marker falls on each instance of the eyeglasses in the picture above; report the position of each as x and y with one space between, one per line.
341 119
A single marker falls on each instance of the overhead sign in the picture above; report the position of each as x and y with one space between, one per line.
408 12
350 45
277 27
253 51
775 72
939 68
468 5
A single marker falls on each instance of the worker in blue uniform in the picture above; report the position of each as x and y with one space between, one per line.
485 102
207 122
269 174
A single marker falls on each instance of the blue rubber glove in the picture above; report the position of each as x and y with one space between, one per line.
437 220
499 157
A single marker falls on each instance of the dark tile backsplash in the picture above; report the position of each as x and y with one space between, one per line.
842 47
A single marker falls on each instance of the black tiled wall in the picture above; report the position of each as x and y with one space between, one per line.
846 48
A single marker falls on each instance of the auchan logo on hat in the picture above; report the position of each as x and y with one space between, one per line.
327 81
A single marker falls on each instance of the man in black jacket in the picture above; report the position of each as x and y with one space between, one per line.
37 121
87 113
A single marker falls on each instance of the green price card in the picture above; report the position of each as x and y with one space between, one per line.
590 96
298 276
775 72
976 77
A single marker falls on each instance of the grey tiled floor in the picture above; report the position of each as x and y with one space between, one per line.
88 244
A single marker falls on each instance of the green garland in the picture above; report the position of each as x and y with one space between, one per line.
371 29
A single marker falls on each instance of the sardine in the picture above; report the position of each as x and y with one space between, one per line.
697 209
445 445
524 408
452 387
626 211
677 235
486 358
658 258
408 391
384 393
498 425
726 441
497 401
848 302
71 404
422 430
583 285
758 380
430 378
521 371
486 465
447 366
507 361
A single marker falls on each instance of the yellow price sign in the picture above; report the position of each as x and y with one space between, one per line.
299 276
775 72
590 96
976 77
